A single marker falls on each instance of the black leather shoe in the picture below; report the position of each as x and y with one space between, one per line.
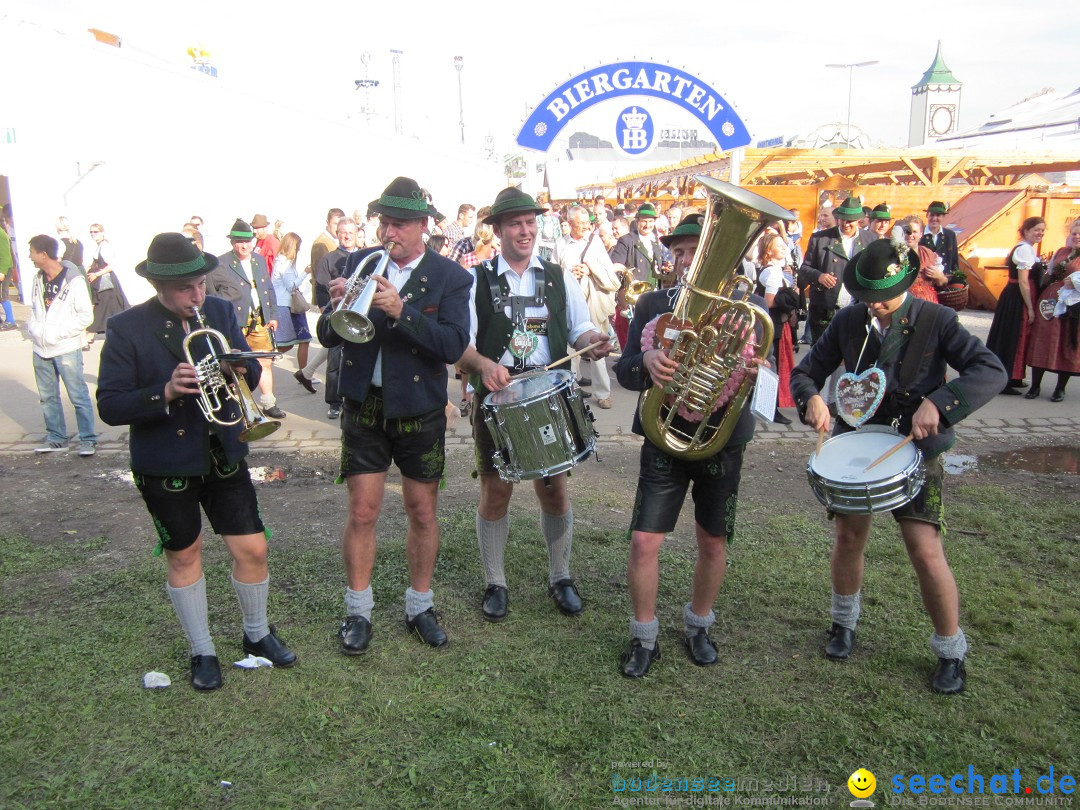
585 381
702 649
275 412
1009 391
780 419
355 635
304 381
205 673
566 596
840 644
1032 394
1057 396
271 648
949 676
637 660
495 603
426 625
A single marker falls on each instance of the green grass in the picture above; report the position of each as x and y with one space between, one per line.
532 713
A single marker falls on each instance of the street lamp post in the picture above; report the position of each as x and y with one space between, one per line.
459 63
850 67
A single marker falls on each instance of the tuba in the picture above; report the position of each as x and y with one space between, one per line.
350 319
716 340
220 385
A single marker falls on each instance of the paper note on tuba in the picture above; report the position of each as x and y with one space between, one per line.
763 405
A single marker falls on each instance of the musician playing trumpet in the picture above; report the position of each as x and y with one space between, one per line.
394 389
179 459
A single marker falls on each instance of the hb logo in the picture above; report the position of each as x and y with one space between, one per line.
634 131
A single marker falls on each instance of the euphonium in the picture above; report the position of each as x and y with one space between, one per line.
350 319
716 340
634 291
220 386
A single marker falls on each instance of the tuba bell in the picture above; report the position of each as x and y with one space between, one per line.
350 319
220 386
716 339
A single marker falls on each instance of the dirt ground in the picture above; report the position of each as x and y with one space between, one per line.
66 498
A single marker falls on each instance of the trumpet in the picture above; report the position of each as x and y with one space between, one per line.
350 319
220 386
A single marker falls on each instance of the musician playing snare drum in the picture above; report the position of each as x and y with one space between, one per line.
180 459
542 311
907 342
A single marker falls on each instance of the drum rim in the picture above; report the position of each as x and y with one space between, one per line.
565 379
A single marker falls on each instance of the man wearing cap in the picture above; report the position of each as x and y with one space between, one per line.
637 256
394 392
911 341
826 256
178 458
266 244
881 221
242 278
584 256
540 311
663 480
940 239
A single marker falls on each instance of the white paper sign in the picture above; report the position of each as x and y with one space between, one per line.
763 405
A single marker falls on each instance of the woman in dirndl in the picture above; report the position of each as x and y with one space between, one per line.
773 255
1010 330
1055 334
292 327
931 273
108 295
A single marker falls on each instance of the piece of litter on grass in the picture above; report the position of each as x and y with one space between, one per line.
225 784
254 662
156 680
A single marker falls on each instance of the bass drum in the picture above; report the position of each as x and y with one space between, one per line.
540 425
839 477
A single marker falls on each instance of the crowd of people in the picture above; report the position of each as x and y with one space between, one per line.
498 292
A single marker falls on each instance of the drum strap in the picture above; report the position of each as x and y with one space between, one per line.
914 356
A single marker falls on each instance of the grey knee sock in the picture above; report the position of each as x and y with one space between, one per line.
189 603
252 598
417 602
645 632
491 535
359 603
846 609
954 646
559 534
692 622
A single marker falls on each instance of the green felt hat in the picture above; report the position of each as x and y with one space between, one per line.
881 212
241 231
688 226
937 207
512 201
403 199
646 210
881 271
174 256
850 209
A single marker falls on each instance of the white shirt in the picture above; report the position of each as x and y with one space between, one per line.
397 276
577 310
772 278
246 265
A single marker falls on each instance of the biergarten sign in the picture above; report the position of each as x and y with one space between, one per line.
634 130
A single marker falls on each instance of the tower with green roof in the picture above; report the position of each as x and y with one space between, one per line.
935 104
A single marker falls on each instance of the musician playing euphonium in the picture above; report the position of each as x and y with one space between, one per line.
179 459
663 480
526 313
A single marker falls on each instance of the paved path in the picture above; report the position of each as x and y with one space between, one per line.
306 427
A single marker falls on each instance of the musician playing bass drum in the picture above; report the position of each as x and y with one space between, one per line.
909 341
542 310
179 459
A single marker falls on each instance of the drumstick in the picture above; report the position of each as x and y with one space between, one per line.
550 366
889 452
820 439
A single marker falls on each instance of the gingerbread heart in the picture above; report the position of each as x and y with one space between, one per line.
858 396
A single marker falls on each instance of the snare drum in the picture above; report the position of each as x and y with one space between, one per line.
839 477
539 424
